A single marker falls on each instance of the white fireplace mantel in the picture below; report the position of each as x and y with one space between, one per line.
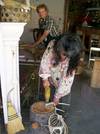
9 64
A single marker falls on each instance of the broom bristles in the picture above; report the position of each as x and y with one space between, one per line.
14 122
14 126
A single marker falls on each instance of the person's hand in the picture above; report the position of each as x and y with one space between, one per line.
56 85
34 44
46 83
34 47
56 101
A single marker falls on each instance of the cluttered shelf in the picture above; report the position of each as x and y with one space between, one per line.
89 30
86 33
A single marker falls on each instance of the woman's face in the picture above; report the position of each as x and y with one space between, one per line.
62 56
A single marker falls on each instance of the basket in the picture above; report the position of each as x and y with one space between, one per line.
12 14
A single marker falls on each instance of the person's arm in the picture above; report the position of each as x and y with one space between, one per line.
44 71
46 32
41 39
64 87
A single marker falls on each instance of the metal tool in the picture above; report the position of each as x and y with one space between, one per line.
52 103
56 109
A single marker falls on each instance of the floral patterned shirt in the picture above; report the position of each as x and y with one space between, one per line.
57 73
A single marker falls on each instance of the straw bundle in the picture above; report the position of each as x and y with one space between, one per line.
47 94
14 4
14 122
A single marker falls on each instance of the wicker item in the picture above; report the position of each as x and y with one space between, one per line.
12 14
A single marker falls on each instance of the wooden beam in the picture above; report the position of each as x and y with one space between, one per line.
66 10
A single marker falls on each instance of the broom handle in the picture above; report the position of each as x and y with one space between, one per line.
9 93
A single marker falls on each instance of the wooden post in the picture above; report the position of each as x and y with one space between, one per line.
66 9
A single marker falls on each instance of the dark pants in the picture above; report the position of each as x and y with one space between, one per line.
67 100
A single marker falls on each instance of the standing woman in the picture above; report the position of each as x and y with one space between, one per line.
58 66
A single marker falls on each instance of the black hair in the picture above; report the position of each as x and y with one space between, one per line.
71 45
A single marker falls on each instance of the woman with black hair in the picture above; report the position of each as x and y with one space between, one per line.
58 65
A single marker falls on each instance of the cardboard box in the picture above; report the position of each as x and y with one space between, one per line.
95 79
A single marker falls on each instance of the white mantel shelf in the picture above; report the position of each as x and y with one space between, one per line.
10 33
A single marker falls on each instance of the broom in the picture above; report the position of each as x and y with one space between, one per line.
14 122
47 94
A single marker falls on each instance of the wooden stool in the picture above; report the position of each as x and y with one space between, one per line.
95 79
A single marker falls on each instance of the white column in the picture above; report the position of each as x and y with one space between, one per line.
9 64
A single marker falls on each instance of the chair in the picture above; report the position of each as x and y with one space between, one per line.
94 48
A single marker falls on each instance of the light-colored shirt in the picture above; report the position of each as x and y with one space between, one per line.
57 73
